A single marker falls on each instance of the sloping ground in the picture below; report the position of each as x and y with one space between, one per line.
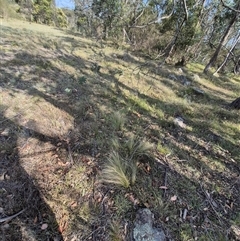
66 103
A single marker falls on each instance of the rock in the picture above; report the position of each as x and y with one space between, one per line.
5 132
187 83
198 91
173 77
184 80
235 230
144 230
179 122
12 81
67 90
17 74
196 78
180 71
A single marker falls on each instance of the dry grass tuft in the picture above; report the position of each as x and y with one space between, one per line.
115 171
117 121
136 147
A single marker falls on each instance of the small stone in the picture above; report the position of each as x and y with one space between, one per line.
173 77
144 230
5 132
44 226
17 74
187 83
196 78
68 90
13 81
236 231
198 91
180 122
180 71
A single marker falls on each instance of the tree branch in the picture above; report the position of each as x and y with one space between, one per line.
157 20
233 9
185 9
227 56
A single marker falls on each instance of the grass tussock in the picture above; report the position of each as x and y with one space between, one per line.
137 148
117 121
123 171
115 171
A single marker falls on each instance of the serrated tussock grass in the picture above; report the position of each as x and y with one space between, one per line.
122 169
136 147
117 120
115 171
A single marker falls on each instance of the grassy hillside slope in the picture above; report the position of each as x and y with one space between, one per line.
88 134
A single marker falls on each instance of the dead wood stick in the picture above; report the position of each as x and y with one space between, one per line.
211 204
165 182
2 220
70 154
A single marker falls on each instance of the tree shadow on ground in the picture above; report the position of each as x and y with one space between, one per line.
20 192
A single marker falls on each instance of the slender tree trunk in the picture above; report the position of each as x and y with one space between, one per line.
171 46
227 56
223 40
237 67
105 31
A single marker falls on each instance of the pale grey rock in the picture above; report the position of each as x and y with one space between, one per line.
198 91
180 71
179 122
144 230
187 83
196 78
67 90
173 77
12 81
5 132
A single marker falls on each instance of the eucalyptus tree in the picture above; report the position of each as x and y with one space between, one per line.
227 57
43 11
84 17
185 27
106 11
232 16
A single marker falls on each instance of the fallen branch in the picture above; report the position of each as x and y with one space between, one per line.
211 203
6 219
165 182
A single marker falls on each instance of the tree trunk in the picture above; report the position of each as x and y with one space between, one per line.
237 67
227 56
175 38
222 41
236 104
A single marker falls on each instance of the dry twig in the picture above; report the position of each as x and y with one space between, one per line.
211 203
6 219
